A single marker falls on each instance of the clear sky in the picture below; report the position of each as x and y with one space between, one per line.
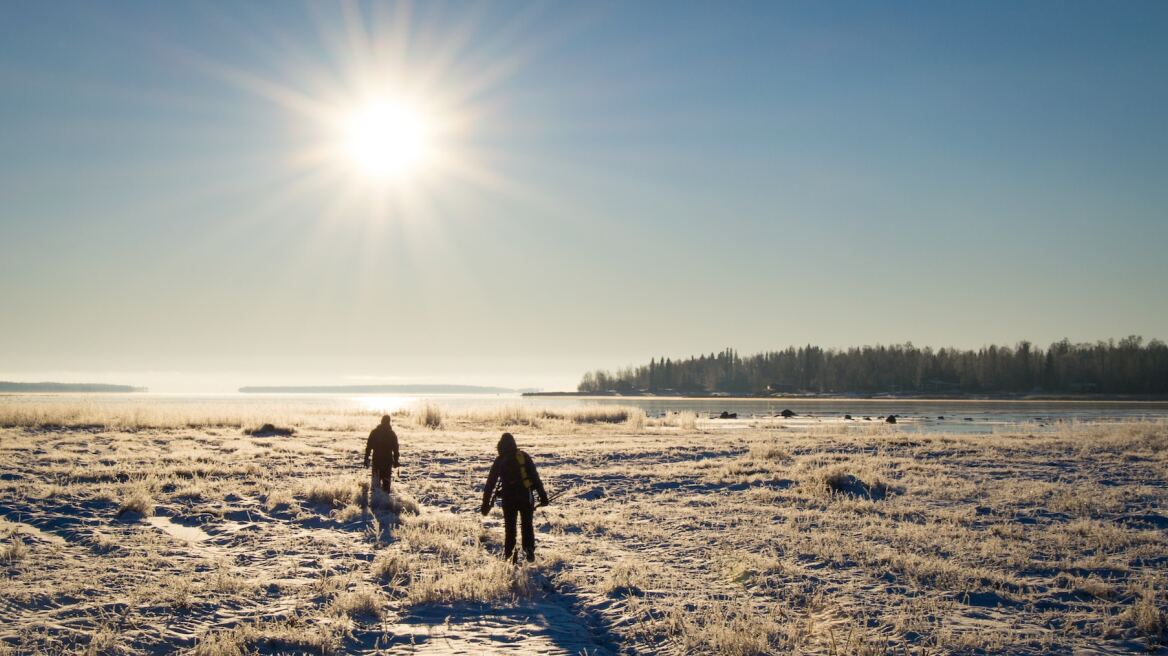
181 206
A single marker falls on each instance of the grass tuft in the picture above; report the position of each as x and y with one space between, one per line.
394 567
14 551
769 451
430 416
362 602
270 430
1148 617
137 499
335 492
625 579
278 499
837 481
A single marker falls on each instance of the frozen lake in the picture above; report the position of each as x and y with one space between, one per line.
946 415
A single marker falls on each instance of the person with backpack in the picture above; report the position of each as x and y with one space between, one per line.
515 480
382 443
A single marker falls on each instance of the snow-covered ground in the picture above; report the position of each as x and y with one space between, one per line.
681 535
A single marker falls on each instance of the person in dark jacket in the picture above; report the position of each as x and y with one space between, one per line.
382 443
518 483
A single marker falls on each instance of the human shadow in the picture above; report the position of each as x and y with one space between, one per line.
553 621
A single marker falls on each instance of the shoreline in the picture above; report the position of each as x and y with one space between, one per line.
1030 398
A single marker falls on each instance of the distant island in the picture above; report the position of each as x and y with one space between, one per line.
69 388
1128 368
377 389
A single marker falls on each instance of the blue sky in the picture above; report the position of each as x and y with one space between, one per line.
648 179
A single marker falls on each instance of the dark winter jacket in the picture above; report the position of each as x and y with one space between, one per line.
517 477
383 443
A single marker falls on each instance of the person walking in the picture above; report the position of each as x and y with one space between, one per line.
517 480
382 443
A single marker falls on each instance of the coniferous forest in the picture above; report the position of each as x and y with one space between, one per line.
1127 366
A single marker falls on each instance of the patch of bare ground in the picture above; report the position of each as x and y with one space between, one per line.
673 536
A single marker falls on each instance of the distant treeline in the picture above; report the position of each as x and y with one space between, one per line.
1125 367
71 388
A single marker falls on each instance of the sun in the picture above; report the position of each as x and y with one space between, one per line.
387 139
383 133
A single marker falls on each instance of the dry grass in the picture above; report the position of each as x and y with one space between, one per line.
1148 616
508 415
636 420
601 414
278 499
254 416
534 416
137 498
292 636
13 551
102 641
395 567
269 430
429 416
625 578
364 601
131 414
740 540
487 581
335 492
726 628
685 420
769 451
848 480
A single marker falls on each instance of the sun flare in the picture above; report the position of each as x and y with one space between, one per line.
387 139
386 135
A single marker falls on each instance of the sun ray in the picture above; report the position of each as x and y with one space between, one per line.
388 130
